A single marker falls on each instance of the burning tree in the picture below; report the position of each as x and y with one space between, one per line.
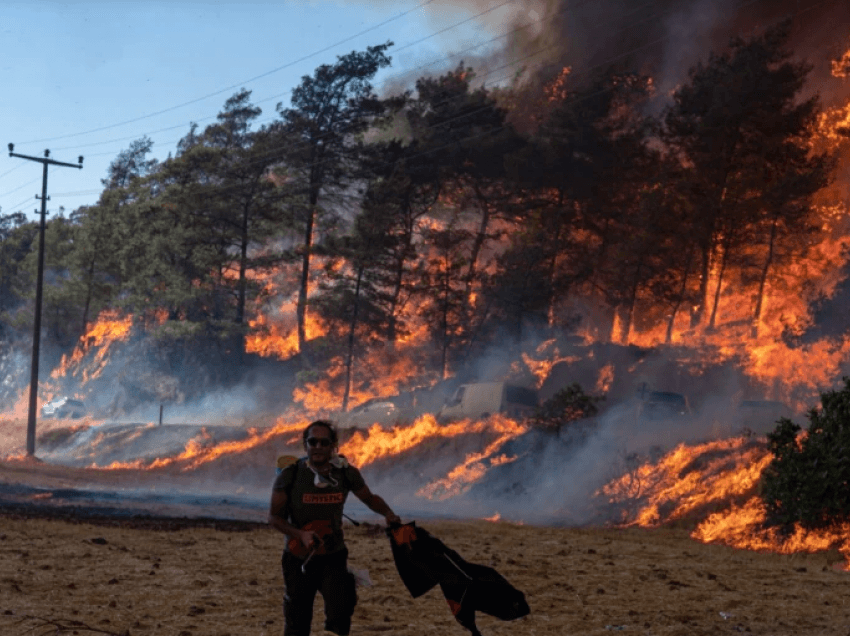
93 263
232 193
351 295
403 186
808 481
464 131
329 112
581 178
739 127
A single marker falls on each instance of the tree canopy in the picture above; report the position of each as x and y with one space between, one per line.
429 212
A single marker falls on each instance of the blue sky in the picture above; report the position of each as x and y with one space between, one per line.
87 78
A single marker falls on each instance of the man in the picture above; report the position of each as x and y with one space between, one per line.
306 505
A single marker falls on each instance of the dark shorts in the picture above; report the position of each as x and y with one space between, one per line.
327 574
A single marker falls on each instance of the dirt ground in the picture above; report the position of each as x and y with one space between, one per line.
66 568
124 577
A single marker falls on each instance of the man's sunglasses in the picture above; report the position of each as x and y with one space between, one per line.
324 442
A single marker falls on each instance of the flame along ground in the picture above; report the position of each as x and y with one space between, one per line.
723 475
364 448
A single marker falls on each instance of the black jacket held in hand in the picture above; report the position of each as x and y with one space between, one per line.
424 561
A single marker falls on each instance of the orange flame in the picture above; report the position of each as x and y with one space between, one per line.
476 465
670 486
841 66
366 448
279 338
741 527
711 474
196 453
546 356
109 328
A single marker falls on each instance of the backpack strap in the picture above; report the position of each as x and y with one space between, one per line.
297 463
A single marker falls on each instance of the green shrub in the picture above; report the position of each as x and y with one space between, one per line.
807 481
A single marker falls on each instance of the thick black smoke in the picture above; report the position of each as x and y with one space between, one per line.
660 38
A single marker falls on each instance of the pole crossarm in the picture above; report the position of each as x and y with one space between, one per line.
47 160
39 287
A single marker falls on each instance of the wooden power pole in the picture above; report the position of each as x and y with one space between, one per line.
39 287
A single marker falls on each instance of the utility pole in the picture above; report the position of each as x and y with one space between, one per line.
39 287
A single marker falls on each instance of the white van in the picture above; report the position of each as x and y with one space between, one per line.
474 401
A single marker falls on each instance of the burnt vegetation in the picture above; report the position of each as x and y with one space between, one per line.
449 205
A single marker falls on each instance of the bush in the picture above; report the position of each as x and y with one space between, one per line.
807 481
567 405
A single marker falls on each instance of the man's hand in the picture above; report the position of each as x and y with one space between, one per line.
309 539
392 519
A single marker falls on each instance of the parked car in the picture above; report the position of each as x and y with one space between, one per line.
63 408
663 405
384 414
487 398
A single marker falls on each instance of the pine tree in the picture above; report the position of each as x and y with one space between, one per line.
330 111
741 129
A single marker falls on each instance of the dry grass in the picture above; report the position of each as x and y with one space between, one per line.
208 582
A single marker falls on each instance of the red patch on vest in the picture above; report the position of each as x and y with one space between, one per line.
454 606
329 498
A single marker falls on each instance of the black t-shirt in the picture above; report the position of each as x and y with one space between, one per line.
318 508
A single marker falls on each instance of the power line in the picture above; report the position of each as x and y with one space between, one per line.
20 165
239 84
402 74
28 183
587 71
77 193
18 205
449 28
408 72
435 61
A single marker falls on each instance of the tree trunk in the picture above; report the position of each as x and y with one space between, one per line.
709 249
392 327
553 261
713 321
480 237
763 281
630 308
702 296
680 298
349 358
243 266
301 308
444 322
89 293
